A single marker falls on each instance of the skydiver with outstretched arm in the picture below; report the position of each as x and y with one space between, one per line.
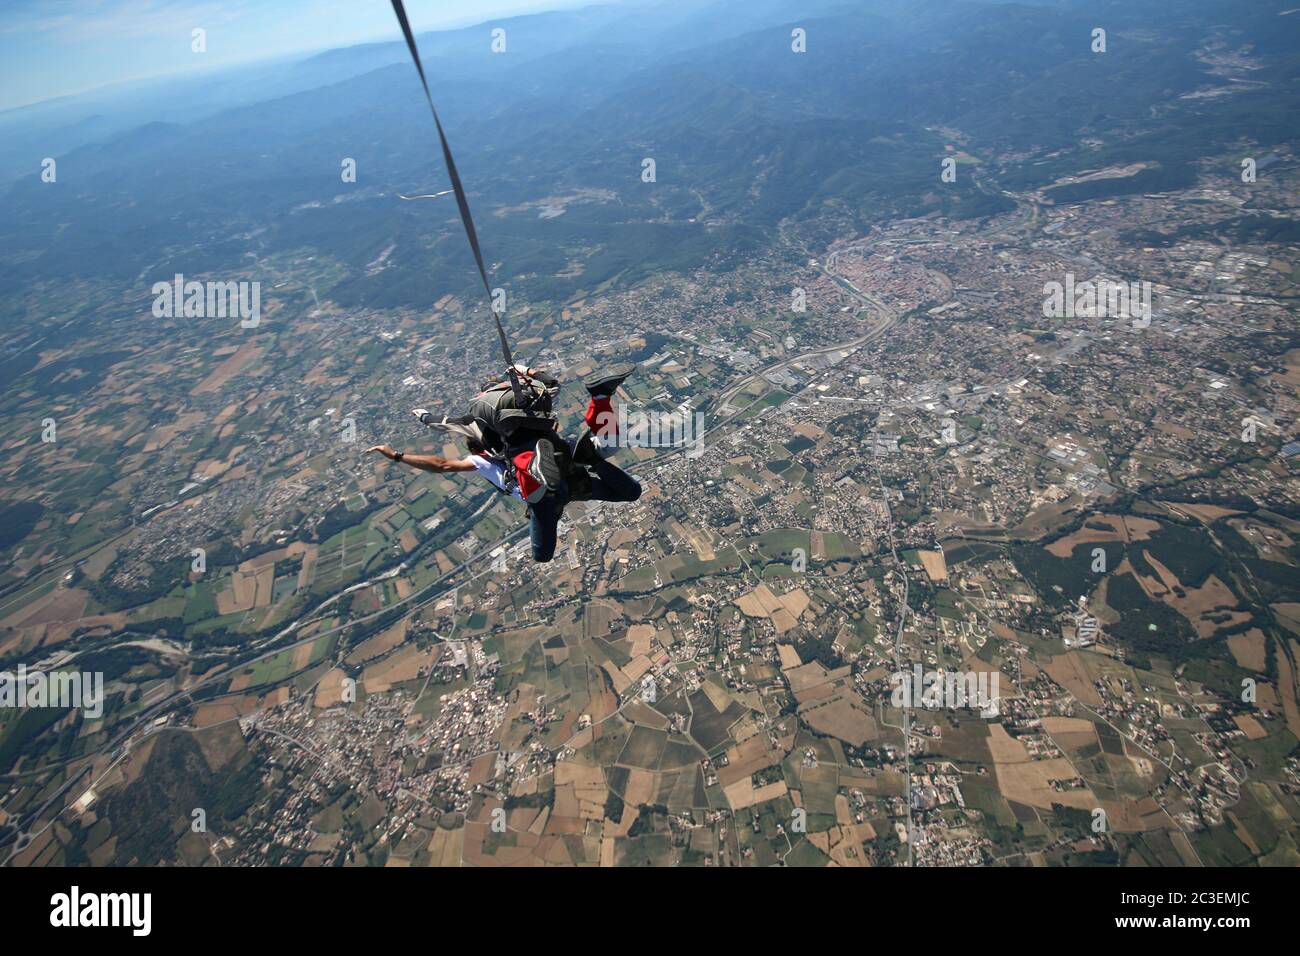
545 472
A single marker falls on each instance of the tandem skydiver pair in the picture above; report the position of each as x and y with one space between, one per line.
521 452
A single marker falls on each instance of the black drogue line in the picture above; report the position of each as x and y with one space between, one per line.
461 201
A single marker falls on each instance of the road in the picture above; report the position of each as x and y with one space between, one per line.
899 665
889 318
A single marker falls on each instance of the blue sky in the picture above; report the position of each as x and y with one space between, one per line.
51 48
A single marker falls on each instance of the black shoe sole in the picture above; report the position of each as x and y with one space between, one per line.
608 380
544 455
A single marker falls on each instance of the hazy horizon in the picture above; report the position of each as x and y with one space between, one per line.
47 54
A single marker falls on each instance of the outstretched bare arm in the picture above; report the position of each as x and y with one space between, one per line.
433 463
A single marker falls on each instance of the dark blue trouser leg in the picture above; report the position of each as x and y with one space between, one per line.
544 521
611 483
608 483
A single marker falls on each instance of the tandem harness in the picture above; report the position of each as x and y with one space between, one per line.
495 422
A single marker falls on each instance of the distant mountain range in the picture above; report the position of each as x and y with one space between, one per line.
195 176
